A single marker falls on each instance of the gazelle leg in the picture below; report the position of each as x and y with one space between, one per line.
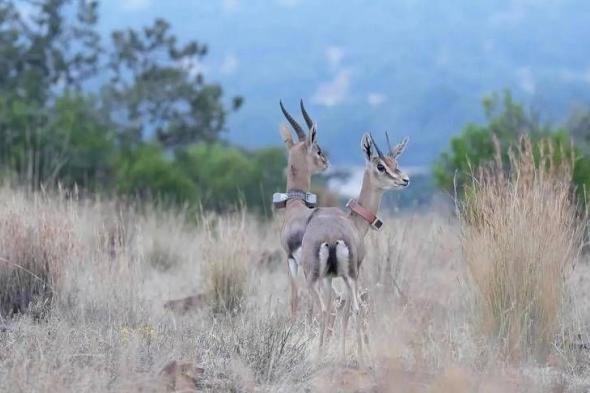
315 293
365 312
355 309
293 286
327 292
309 303
346 315
336 312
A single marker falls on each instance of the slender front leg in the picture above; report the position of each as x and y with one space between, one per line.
316 295
346 316
327 292
309 301
351 283
293 285
356 310
338 303
366 315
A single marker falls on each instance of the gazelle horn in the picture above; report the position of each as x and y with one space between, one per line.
376 147
294 124
307 118
388 143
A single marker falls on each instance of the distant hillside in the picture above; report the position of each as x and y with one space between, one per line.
414 67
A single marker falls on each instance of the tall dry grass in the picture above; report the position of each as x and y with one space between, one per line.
106 327
520 238
37 240
227 268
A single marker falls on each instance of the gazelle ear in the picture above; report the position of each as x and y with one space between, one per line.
286 136
312 135
367 146
399 149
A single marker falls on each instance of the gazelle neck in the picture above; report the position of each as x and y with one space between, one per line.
369 198
298 178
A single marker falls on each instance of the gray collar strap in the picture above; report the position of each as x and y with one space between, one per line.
279 199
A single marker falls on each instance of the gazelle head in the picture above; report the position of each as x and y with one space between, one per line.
305 153
383 169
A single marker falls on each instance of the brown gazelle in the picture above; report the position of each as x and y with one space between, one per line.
305 158
333 243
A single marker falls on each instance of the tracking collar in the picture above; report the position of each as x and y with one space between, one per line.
279 199
370 217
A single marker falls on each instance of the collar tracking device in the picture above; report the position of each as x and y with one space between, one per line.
279 199
375 222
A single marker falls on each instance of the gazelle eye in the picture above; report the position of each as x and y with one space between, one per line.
380 167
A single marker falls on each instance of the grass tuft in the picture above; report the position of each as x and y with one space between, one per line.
520 237
37 240
226 271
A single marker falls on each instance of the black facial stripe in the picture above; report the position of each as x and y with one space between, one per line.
388 173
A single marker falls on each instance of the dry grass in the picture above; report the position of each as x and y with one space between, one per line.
227 267
521 236
37 241
106 328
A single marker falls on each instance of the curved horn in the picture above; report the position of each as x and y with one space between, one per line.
294 124
376 147
388 142
307 118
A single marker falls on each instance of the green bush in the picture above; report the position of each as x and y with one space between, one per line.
229 176
146 173
507 121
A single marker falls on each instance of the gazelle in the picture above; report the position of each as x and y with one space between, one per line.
333 243
305 158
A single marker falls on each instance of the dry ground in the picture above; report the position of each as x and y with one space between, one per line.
107 328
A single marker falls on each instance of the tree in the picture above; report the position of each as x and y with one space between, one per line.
48 50
157 88
68 142
44 53
87 142
151 130
506 121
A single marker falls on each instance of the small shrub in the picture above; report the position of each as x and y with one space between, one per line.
520 236
273 348
259 348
